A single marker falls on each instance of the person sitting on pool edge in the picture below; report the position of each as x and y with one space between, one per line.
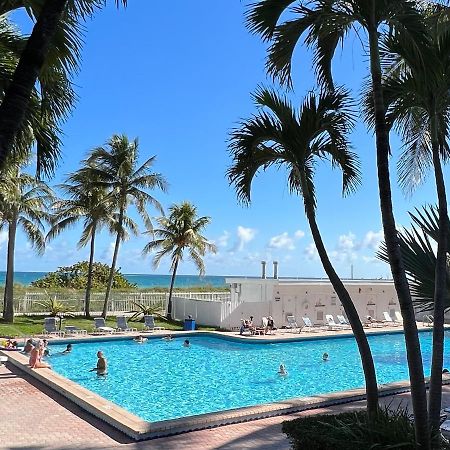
36 357
186 343
102 364
28 347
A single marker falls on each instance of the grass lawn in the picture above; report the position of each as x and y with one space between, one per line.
31 325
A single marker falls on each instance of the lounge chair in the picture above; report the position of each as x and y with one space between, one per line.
50 327
149 324
261 329
71 330
100 326
372 323
342 320
292 323
398 317
333 326
389 321
428 320
309 326
122 325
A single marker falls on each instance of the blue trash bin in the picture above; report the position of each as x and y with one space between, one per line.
189 324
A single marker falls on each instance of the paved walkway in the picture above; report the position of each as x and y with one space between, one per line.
34 417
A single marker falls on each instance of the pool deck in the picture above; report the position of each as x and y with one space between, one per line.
26 387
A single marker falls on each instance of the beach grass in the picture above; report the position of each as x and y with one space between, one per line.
24 326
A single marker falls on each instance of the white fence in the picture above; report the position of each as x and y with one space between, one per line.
31 302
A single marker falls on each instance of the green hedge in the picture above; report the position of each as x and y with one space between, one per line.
351 430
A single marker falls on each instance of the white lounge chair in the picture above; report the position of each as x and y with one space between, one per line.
122 325
309 326
428 320
149 324
372 323
292 323
398 317
342 320
71 330
262 329
50 327
100 326
333 326
389 321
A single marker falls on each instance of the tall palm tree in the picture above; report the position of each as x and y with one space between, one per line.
87 202
23 204
50 102
417 97
326 23
280 135
56 34
177 233
115 166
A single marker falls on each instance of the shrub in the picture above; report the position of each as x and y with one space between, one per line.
75 277
391 429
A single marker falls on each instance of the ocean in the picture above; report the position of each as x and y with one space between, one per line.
142 281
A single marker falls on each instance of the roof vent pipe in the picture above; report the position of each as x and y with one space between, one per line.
275 270
263 270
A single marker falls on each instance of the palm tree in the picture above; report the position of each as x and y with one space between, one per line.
417 96
50 102
56 34
115 166
326 23
89 202
177 233
279 135
23 203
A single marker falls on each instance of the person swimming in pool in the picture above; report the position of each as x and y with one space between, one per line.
186 343
139 339
169 337
325 357
102 365
67 350
282 370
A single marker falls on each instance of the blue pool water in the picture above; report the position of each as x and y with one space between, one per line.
161 380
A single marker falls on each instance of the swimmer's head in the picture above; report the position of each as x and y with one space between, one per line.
99 354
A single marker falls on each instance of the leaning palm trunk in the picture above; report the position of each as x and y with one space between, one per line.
111 276
440 293
17 96
172 282
8 314
350 311
415 365
87 299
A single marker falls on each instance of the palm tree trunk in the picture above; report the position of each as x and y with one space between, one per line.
8 313
172 282
351 312
114 262
440 293
87 299
17 96
415 365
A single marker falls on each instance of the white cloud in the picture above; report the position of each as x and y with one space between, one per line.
245 235
372 240
299 234
311 252
345 248
282 241
222 240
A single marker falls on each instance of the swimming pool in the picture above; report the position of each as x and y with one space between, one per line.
161 380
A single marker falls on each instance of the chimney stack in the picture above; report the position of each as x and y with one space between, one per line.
263 270
275 270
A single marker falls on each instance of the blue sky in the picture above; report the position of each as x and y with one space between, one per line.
180 78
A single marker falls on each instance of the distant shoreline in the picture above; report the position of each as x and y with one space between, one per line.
142 281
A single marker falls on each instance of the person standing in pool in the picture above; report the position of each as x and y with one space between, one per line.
102 364
186 343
